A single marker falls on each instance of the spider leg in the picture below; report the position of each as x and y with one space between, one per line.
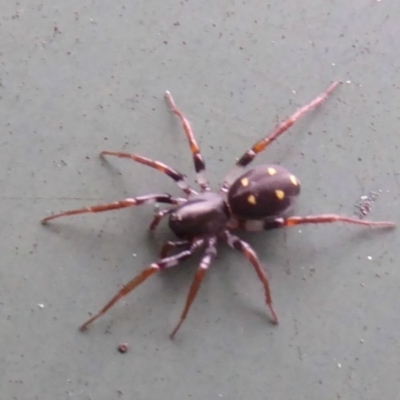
172 245
238 244
130 202
146 273
158 217
262 144
281 222
179 178
323 219
199 163
209 255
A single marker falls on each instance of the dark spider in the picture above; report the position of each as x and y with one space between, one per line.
255 200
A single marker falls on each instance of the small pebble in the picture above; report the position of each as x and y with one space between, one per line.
123 348
41 305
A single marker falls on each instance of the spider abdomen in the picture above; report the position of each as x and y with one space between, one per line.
263 192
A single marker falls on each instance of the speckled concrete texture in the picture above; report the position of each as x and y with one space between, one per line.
80 77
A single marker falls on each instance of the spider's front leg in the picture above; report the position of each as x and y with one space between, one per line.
199 163
179 178
162 264
116 205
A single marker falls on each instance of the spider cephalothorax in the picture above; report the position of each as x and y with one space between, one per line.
255 200
203 214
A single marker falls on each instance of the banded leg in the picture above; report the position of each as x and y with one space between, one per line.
157 218
136 201
323 219
199 163
179 178
262 144
281 222
168 246
209 255
238 244
139 279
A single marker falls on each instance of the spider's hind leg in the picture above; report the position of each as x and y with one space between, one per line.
324 219
282 222
263 143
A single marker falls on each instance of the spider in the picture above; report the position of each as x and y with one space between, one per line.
259 199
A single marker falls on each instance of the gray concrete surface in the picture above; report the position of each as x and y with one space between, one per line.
77 78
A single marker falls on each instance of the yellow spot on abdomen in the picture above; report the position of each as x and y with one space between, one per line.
294 180
280 194
245 182
251 199
271 171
